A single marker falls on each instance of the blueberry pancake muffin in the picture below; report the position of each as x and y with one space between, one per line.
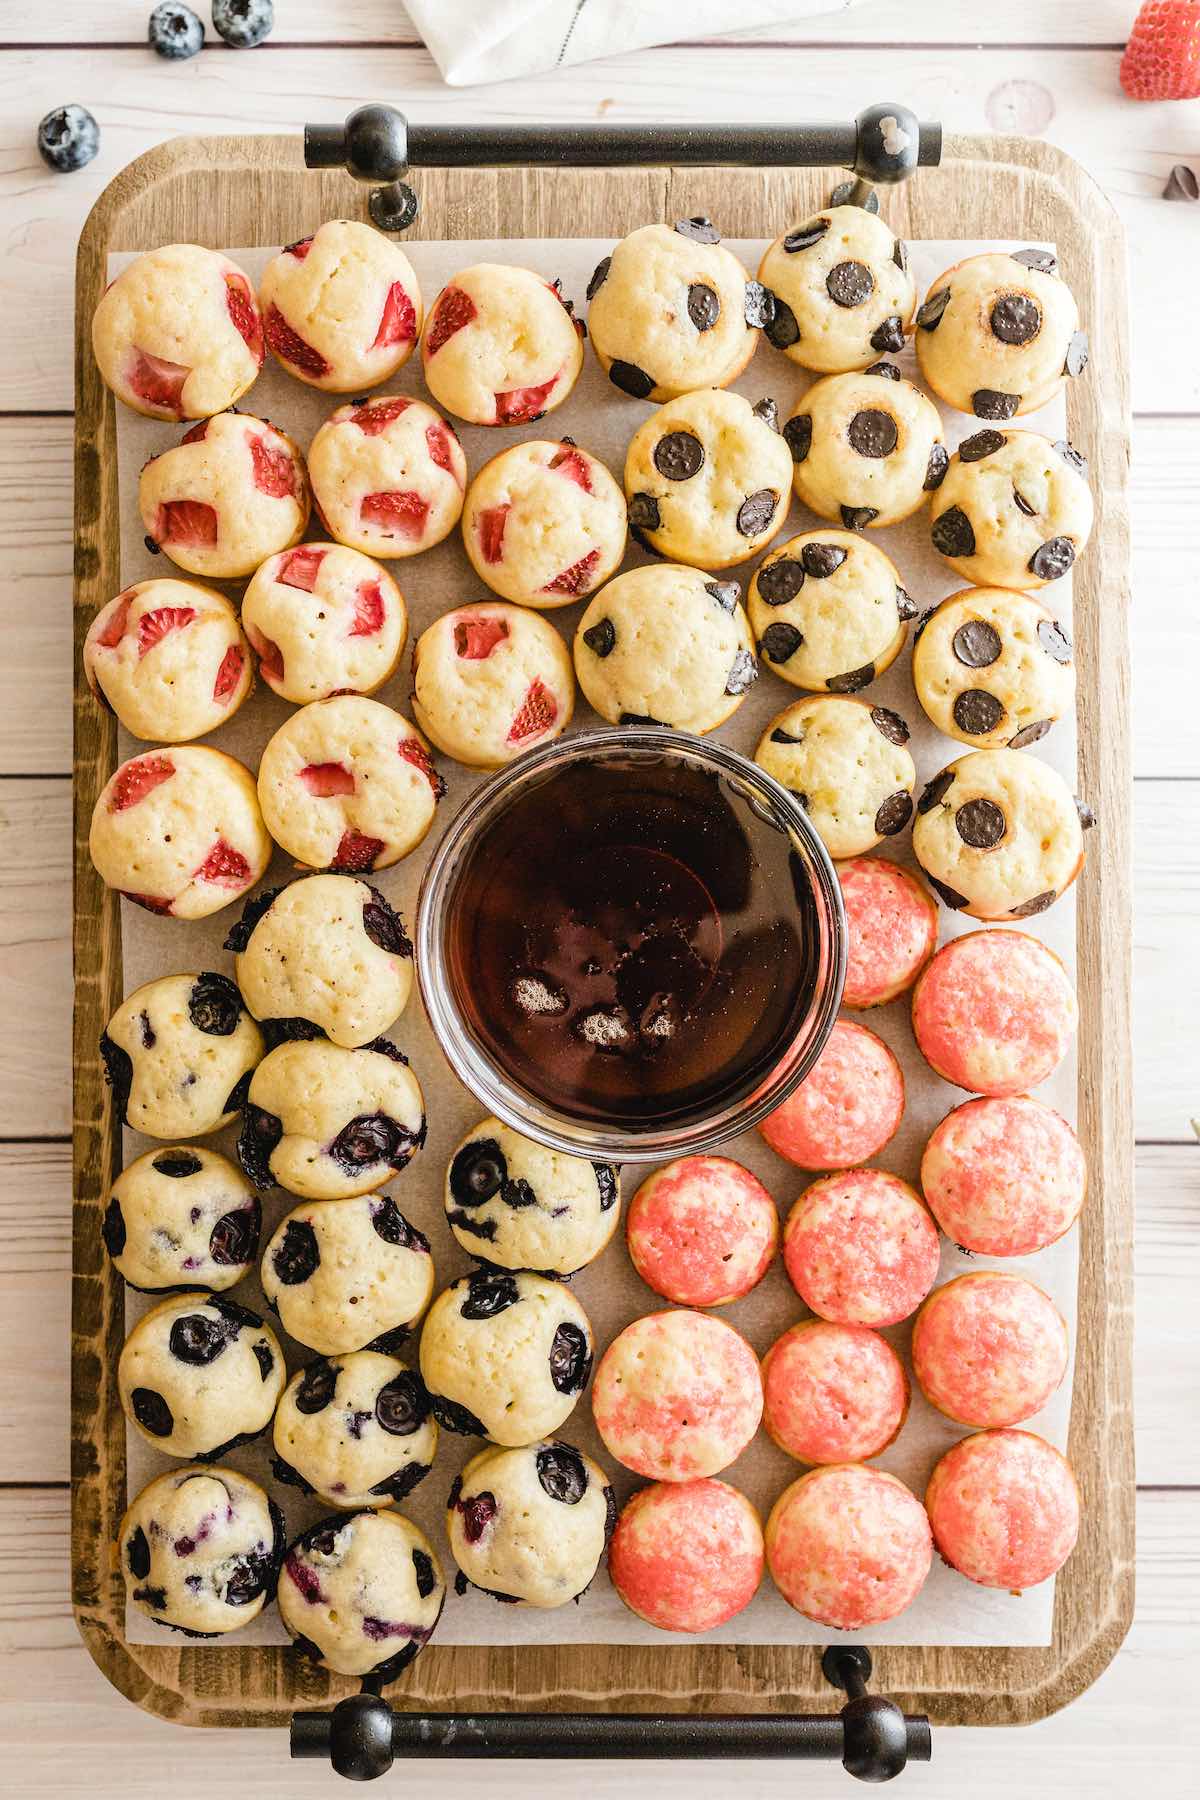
388 476
672 310
178 1054
328 1123
518 1205
530 1524
1014 510
491 681
999 835
182 1218
199 1375
347 784
344 1274
843 293
998 334
992 667
829 611
324 620
201 1549
361 1595
356 1430
178 334
169 658
665 645
544 523
867 448
848 764
506 1356
341 309
500 346
328 950
232 492
706 478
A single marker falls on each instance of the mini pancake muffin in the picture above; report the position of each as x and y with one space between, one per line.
860 1249
994 1012
530 1524
341 309
672 310
169 658
491 681
178 1053
347 784
707 478
847 1107
703 1231
998 334
843 293
357 1430
687 1555
198 1375
1004 1177
999 835
866 448
181 1218
346 1274
665 646
848 764
1004 1509
232 492
989 1349
324 620
544 523
828 611
360 1594
388 476
833 1393
848 1546
1015 510
677 1395
178 334
891 929
993 668
500 346
201 1549
519 1205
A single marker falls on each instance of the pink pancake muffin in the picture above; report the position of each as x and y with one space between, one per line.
891 929
833 1393
677 1395
500 346
324 620
989 1349
232 492
388 476
687 1555
1004 1177
341 309
860 1249
1004 1509
702 1231
848 1546
994 1012
846 1110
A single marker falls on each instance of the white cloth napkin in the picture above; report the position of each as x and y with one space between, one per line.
494 40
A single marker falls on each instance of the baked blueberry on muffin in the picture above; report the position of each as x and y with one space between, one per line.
324 620
500 346
998 334
170 660
1004 1509
347 1274
388 476
544 523
848 764
993 668
828 611
181 1218
848 1546
860 1249
199 1374
178 1054
232 492
843 293
361 1593
530 1524
687 1555
517 1205
341 309
356 1429
200 1550
677 1395
867 448
1015 510
491 681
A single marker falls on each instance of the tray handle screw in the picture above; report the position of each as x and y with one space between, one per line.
372 146
875 1731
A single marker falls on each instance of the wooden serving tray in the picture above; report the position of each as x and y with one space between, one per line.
240 190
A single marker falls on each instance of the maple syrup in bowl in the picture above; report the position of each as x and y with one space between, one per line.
631 944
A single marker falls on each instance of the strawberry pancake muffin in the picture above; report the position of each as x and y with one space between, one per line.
357 1430
989 1349
180 831
181 1217
860 1249
388 476
341 309
201 1549
544 523
687 1555
342 1275
178 1054
846 1110
848 1546
833 1393
500 346
170 660
1004 1509
490 681
347 784
891 929
677 1395
361 1593
324 620
178 334
1004 1177
994 1012
529 1524
200 1374
703 1231
232 492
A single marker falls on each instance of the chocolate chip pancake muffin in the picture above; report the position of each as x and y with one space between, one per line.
843 293
1014 510
388 476
169 658
356 1430
491 681
519 1205
500 346
999 835
347 1274
178 1053
199 1375
848 764
181 1218
544 523
232 492
867 448
361 1595
828 611
341 309
992 667
201 1549
324 620
530 1524
998 334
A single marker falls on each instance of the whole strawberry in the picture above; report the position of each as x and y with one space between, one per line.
1162 57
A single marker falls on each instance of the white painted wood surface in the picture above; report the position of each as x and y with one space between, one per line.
1048 69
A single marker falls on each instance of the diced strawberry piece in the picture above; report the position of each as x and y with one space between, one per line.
325 780
158 382
190 524
356 852
492 521
399 322
224 867
454 309
438 437
154 626
574 580
195 434
150 901
520 406
137 779
396 514
230 673
414 751
374 416
539 709
475 638
114 631
287 344
299 249
368 610
270 656
571 463
243 310
274 470
299 567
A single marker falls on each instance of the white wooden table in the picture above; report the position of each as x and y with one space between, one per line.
1048 69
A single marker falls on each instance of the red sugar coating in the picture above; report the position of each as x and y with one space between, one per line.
994 1012
677 1395
860 1248
846 1109
833 1393
989 1348
1004 1177
687 1555
848 1546
1004 1509
891 929
702 1231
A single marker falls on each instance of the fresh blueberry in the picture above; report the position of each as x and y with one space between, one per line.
243 23
175 32
68 138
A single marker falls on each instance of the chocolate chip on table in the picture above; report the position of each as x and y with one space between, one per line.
599 276
780 581
725 593
767 410
977 712
952 533
906 606
601 637
935 791
743 673
1029 908
570 1359
215 1005
980 823
890 724
797 435
949 895
990 403
630 379
384 927
704 305
842 193
782 329
894 813
234 1238
1181 184
1015 319
489 1291
1052 559
1044 261
152 1412
1022 504
758 306
757 512
1074 458
562 1473
700 230
1054 640
137 1554
780 642
298 1255
935 468
900 256
315 1389
981 444
402 1404
873 432
1087 817
852 681
887 371
606 1182
929 314
1077 354
976 644
644 512
679 455
1029 734
390 1224
477 1172
849 283
856 518
889 335
177 1164
822 560
805 236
